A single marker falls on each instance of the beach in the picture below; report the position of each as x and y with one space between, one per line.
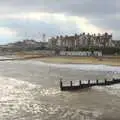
103 60
113 60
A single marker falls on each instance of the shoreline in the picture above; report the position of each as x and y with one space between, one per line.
82 60
111 61
82 64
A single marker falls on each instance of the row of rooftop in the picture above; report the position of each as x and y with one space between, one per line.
83 40
85 34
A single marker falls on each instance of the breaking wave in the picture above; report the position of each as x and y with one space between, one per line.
112 90
88 67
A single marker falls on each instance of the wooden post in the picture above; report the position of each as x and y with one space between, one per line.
61 84
97 82
88 82
105 81
79 82
71 83
113 79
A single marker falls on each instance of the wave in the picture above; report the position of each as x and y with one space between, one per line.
112 90
13 89
85 67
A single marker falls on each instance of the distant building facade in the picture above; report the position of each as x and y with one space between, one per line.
82 40
80 53
117 43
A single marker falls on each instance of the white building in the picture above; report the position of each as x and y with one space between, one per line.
83 40
80 53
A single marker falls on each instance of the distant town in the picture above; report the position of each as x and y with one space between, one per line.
83 40
103 43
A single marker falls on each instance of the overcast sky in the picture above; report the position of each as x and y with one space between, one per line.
21 19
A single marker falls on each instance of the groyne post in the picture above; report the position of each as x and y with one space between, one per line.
113 79
79 82
88 82
61 84
71 83
87 85
96 82
105 81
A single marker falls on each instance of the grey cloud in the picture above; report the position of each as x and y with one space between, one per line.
76 7
113 23
99 12
35 28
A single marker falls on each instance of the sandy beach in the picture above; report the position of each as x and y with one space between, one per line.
113 60
104 60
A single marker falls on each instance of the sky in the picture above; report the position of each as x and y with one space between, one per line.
22 19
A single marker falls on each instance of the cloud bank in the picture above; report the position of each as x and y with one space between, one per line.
30 19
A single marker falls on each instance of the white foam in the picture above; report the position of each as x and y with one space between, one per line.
88 67
12 89
112 90
5 57
50 91
84 67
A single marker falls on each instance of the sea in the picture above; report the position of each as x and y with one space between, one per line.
29 90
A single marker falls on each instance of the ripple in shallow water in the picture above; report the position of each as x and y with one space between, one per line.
17 102
112 90
13 94
49 91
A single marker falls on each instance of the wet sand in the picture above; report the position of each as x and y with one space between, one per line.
104 60
114 61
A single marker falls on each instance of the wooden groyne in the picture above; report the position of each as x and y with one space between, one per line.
88 84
